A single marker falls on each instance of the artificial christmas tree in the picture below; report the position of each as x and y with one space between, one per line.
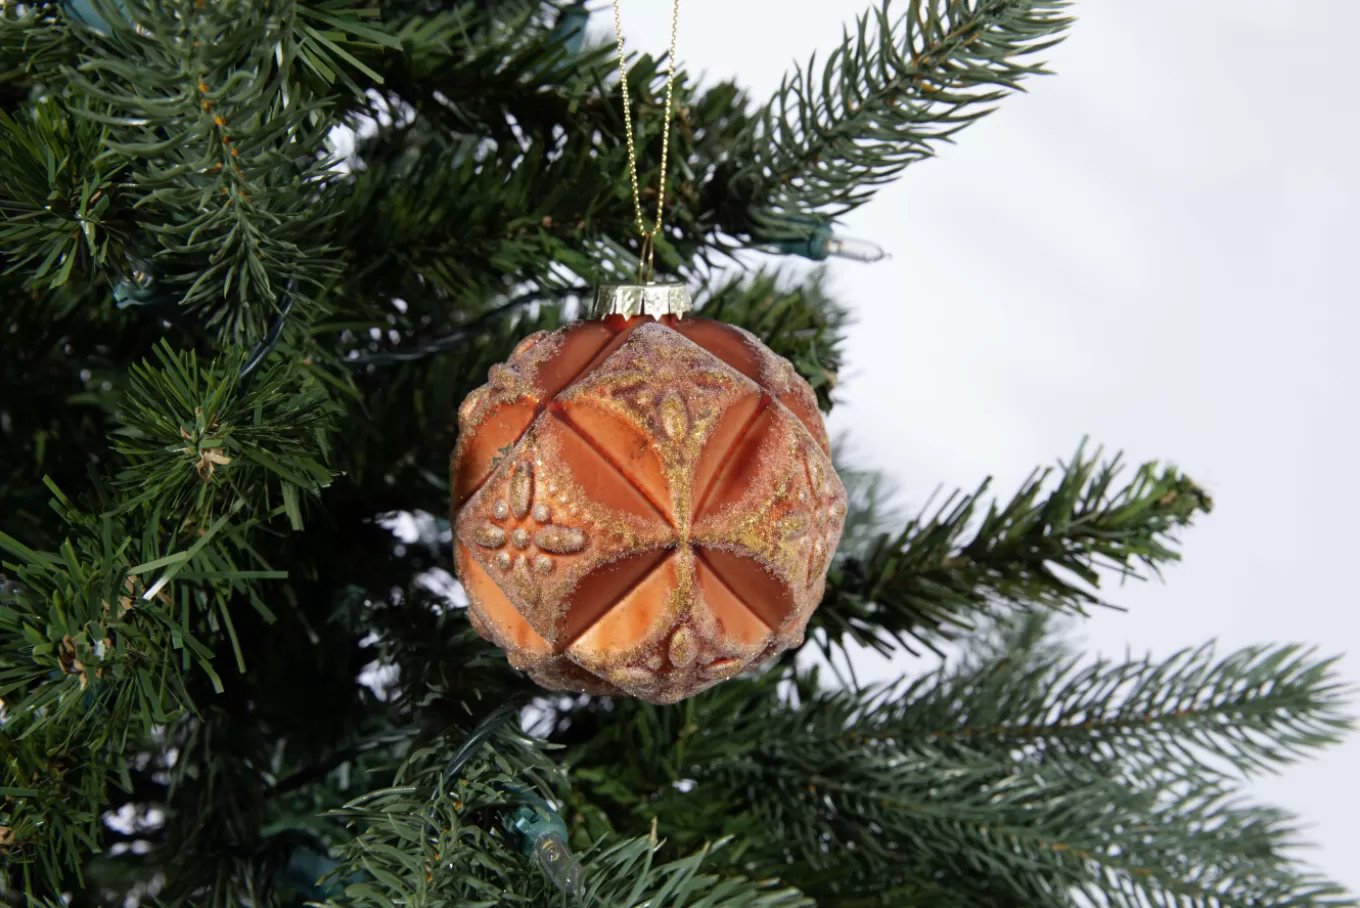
232 362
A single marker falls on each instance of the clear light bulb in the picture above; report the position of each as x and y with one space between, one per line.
856 249
558 863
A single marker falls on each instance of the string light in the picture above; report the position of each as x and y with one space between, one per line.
818 241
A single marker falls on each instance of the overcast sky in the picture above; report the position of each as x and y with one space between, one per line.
1147 248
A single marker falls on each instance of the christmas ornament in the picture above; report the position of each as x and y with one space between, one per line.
643 503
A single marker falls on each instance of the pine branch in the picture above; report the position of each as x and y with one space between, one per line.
59 196
460 222
221 154
485 73
198 440
95 651
418 842
529 195
1254 709
33 40
929 584
852 794
885 98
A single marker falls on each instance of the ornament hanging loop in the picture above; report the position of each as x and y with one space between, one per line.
647 257
647 251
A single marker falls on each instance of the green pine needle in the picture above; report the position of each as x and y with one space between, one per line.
994 779
198 441
209 635
911 76
62 208
1191 715
941 574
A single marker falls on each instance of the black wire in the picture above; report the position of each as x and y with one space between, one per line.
458 336
271 339
478 736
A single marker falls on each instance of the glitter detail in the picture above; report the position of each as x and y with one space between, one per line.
674 417
693 469
501 376
795 525
521 489
635 675
683 647
489 536
528 343
721 668
816 476
560 540
521 572
548 539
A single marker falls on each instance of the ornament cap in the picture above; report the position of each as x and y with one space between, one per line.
655 298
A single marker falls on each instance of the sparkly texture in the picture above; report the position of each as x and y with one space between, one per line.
722 669
531 341
693 469
816 477
549 539
795 525
674 417
636 676
560 540
683 647
521 573
489 536
521 489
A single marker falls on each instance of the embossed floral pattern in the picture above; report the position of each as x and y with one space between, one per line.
643 507
536 548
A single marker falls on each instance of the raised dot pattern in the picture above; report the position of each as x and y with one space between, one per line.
651 408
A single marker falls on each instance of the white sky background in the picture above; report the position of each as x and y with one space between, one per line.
1147 248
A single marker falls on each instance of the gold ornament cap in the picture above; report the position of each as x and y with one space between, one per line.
654 298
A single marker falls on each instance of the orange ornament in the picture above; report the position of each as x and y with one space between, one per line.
643 505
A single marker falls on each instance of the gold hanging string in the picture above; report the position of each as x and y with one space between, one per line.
647 251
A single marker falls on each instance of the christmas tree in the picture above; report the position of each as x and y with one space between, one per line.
235 665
